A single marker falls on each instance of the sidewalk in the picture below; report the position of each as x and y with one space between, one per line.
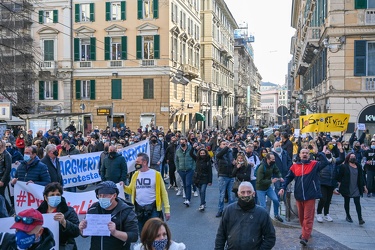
338 234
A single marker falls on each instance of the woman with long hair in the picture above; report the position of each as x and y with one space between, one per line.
241 171
352 185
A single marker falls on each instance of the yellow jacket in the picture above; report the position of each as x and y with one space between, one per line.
161 192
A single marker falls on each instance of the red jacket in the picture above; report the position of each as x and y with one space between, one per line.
20 142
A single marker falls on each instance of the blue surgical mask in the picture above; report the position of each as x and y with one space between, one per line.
54 201
160 244
278 150
26 157
372 146
105 202
24 240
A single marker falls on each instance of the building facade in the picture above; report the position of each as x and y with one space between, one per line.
333 57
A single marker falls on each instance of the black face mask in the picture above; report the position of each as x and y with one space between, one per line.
272 162
183 145
352 160
346 147
246 205
153 140
329 156
138 166
55 153
106 149
63 147
357 147
112 154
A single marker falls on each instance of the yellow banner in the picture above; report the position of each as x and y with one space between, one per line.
323 122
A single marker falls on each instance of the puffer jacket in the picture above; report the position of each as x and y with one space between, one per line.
156 152
124 217
224 158
8 241
71 230
183 160
114 169
328 175
306 176
36 171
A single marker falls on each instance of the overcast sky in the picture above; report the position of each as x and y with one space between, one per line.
269 22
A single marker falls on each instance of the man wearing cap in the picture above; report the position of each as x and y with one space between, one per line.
156 153
30 233
123 225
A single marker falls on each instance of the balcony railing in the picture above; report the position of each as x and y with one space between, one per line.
47 64
85 64
313 33
115 64
370 17
369 83
148 62
187 68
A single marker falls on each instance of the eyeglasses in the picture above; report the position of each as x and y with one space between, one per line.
25 220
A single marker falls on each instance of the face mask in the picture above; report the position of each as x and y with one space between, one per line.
54 201
112 142
311 151
63 147
352 160
246 202
357 147
278 150
138 166
132 142
26 157
330 147
112 154
219 138
55 153
372 146
70 136
249 138
240 162
264 154
160 244
21 136
153 140
105 202
346 146
183 145
24 240
161 138
126 138
329 156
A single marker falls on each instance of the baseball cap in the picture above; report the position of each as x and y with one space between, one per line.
106 187
27 220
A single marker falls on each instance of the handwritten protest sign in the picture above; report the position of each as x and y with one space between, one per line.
31 196
322 122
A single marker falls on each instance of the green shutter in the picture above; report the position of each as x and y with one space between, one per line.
41 16
76 49
55 16
78 89
55 90
360 58
116 89
92 48
107 48
108 11
123 10
156 46
139 47
140 9
156 8
148 88
92 12
77 12
361 4
41 90
219 100
124 48
92 89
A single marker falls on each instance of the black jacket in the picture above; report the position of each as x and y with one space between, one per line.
344 179
224 158
125 219
243 173
203 169
5 167
114 169
170 153
71 230
54 172
47 242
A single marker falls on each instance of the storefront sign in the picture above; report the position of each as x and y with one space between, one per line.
367 115
103 111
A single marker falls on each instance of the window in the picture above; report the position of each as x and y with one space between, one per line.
85 89
174 13
148 9
364 4
183 53
148 47
48 50
115 11
48 90
85 49
48 16
174 47
116 89
364 58
84 12
148 88
115 48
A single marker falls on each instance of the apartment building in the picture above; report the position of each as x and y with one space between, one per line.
334 57
217 60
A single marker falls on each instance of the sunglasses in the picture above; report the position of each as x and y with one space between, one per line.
25 220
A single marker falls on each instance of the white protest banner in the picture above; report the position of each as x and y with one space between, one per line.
296 133
31 196
48 222
361 126
130 153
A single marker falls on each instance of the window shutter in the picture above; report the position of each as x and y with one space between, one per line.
123 10
107 11
140 9
157 46
41 90
139 47
92 89
77 13
92 12
124 48
92 48
156 8
360 58
78 89
172 11
76 49
107 48
55 90
55 16
116 88
41 16
361 4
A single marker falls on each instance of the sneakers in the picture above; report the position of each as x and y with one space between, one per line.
361 222
303 242
219 214
170 186
179 192
196 194
187 203
201 208
277 217
349 219
369 195
328 218
319 218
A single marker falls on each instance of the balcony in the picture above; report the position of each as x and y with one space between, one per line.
47 64
191 71
115 64
148 62
370 17
85 64
368 83
313 34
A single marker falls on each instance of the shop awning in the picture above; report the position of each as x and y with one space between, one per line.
16 121
200 117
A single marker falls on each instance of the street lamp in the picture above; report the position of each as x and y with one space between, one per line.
303 105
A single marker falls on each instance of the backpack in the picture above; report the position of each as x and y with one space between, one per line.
256 169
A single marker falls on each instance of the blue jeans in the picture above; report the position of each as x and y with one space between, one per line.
225 183
142 221
272 195
202 193
164 169
254 183
187 179
278 186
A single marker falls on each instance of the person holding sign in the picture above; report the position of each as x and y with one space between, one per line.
30 233
122 227
65 215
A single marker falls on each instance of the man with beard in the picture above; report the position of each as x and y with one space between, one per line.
248 225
